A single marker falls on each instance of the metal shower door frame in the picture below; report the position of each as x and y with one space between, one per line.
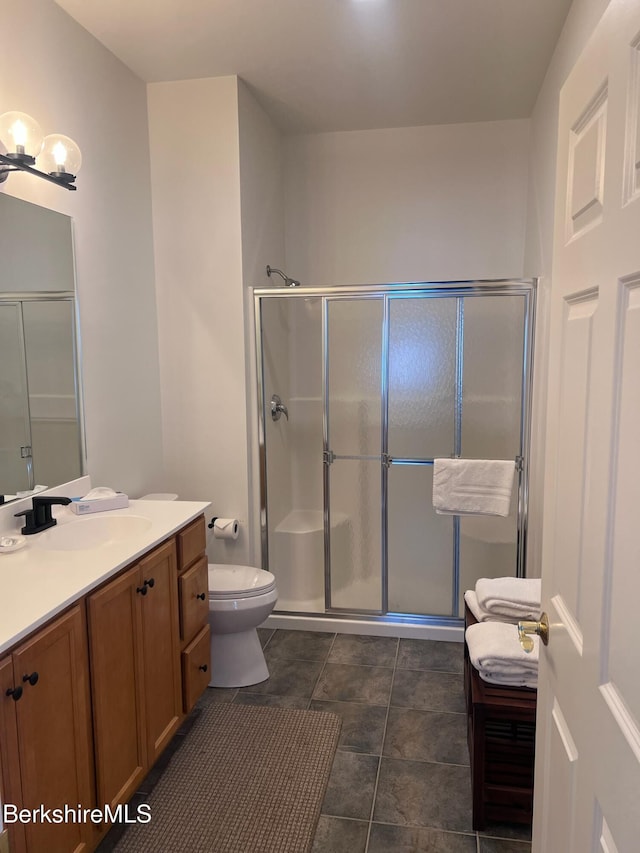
502 287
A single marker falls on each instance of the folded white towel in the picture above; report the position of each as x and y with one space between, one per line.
472 486
495 651
483 615
518 680
511 597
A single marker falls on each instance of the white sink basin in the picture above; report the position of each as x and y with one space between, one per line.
87 533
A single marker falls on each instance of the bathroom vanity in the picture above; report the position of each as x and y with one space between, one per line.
103 651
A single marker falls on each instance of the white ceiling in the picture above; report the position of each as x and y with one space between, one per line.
324 65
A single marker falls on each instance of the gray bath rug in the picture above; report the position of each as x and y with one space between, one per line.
248 779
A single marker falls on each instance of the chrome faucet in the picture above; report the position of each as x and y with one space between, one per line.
278 408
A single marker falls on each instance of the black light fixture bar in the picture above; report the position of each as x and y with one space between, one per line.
16 166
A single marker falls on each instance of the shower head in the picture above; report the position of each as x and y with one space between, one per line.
289 282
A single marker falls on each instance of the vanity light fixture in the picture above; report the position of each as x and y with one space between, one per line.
22 145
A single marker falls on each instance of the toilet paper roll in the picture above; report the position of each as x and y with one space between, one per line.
225 528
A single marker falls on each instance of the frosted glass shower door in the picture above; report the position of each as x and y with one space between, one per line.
422 392
15 433
353 375
492 425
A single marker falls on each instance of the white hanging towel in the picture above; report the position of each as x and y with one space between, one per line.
495 651
472 486
512 597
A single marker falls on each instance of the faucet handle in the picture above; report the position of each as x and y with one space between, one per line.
30 525
278 408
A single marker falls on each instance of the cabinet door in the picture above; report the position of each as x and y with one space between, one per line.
196 668
160 648
10 788
193 588
118 703
54 731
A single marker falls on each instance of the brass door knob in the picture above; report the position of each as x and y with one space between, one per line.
540 628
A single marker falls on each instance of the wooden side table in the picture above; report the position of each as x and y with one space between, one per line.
501 733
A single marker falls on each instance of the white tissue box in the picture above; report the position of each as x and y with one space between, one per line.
84 507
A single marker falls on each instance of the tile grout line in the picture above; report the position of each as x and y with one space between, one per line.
321 673
384 737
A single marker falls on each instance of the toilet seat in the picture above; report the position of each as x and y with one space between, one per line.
228 582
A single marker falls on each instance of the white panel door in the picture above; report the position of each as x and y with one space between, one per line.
588 745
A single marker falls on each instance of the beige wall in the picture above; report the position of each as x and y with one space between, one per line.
262 222
432 203
196 224
54 70
216 227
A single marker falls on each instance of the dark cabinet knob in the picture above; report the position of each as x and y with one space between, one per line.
150 583
15 693
201 596
142 589
204 667
32 679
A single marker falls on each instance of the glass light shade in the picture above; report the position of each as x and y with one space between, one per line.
21 136
60 156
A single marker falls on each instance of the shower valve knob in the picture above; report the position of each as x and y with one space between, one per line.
278 408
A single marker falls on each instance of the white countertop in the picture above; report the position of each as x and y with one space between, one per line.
36 584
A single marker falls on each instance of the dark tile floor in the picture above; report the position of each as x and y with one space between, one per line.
400 781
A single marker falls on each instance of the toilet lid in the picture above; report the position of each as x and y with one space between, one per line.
234 581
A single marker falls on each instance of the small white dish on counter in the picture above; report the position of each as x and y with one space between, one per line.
12 543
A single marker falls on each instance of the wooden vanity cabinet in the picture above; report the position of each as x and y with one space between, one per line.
116 673
193 593
45 734
134 645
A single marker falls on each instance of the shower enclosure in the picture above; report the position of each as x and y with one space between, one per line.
377 382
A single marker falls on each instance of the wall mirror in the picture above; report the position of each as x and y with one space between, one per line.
41 431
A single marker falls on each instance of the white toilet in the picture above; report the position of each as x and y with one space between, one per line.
240 599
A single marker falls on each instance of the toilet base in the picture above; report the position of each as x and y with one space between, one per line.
237 660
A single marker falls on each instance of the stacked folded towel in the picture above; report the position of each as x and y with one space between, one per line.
505 599
471 600
495 651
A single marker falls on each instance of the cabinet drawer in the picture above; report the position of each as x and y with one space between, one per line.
192 542
194 599
196 668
